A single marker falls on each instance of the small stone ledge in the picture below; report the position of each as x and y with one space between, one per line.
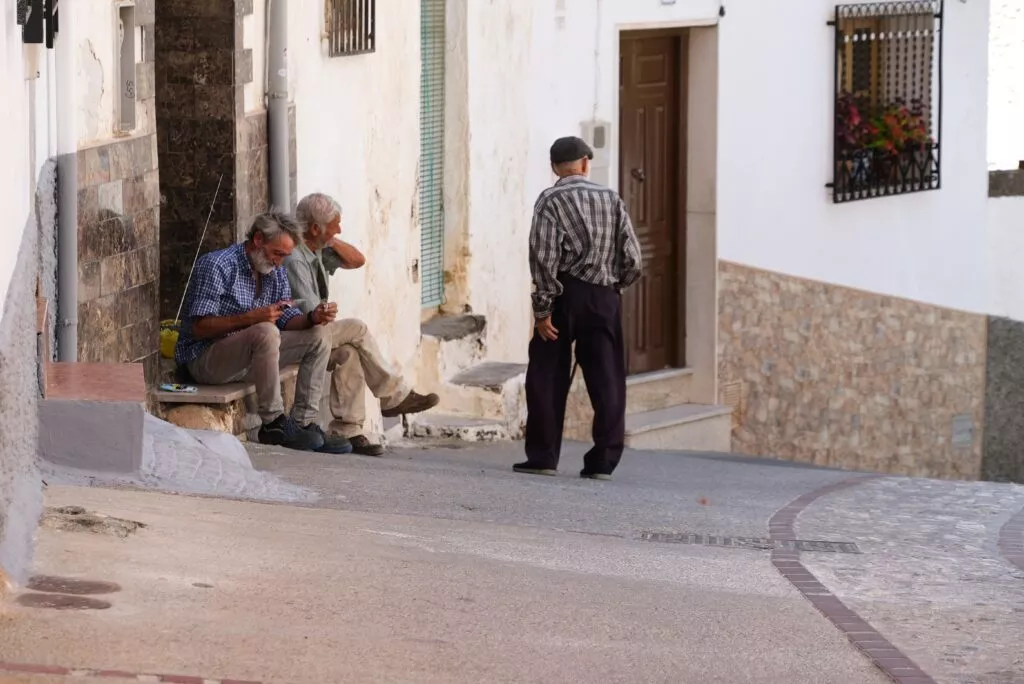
1006 183
490 375
448 328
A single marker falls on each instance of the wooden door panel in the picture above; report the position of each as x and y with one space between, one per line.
649 181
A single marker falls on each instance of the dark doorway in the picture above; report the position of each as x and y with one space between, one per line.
652 181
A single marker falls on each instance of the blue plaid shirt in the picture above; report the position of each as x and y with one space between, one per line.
223 285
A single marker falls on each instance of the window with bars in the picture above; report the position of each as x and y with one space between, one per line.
887 99
351 27
431 205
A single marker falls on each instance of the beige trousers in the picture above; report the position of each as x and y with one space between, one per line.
257 354
356 363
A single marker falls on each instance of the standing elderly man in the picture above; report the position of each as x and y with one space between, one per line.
355 359
583 253
239 323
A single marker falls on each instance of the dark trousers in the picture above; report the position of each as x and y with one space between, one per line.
590 316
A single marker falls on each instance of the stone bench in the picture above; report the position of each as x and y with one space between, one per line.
227 408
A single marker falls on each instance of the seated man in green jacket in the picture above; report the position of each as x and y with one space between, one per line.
356 361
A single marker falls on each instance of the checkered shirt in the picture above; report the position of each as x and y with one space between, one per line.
582 230
223 285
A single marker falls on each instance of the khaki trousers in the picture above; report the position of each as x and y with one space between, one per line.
356 363
257 354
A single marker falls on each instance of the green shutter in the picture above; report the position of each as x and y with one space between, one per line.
432 152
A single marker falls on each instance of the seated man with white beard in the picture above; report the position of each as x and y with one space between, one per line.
239 323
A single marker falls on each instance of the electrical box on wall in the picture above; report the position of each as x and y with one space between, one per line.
598 135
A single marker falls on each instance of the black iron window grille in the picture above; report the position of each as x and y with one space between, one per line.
888 99
351 27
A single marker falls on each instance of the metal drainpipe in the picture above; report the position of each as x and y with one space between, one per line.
67 192
277 105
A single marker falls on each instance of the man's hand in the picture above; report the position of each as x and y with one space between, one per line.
325 313
268 314
546 330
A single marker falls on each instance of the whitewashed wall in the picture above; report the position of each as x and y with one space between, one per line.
357 127
775 159
15 164
1006 85
96 60
775 154
1006 243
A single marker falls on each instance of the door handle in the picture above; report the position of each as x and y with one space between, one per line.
638 175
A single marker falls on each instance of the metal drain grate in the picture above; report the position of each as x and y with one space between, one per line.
750 543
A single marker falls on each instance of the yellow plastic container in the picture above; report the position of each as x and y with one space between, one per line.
168 337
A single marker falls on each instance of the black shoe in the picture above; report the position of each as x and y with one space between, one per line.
285 432
595 476
364 447
528 468
332 444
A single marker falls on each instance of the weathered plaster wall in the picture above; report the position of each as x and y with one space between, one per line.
97 87
20 487
357 125
1006 84
499 49
844 378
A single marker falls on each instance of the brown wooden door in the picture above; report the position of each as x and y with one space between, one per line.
651 183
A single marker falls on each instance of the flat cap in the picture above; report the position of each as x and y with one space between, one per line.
570 149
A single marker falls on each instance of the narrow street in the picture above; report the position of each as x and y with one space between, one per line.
438 564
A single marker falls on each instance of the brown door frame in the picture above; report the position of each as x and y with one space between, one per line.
683 34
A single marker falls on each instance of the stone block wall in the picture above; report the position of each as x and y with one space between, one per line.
202 69
118 231
205 135
253 167
118 252
839 377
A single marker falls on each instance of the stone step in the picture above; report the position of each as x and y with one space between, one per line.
440 426
687 427
493 391
658 390
644 392
92 417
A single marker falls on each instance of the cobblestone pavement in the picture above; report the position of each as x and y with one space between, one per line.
930 577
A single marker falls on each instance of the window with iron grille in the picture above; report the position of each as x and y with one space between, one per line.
888 99
351 27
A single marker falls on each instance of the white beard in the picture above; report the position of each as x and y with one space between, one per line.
261 263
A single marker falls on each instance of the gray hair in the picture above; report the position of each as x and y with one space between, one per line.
273 224
316 208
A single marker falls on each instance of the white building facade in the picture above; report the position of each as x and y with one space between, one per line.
843 333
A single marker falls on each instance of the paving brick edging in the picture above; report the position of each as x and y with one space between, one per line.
889 659
57 670
1011 540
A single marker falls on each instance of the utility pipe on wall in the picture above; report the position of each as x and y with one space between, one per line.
277 104
67 189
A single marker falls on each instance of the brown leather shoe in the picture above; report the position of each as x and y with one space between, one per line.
364 447
414 403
